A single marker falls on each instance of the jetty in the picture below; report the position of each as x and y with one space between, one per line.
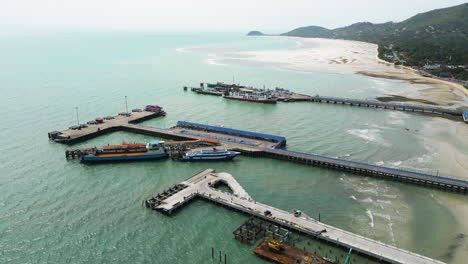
370 103
103 126
202 185
262 145
417 178
285 95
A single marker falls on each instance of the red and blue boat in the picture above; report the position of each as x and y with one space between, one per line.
127 152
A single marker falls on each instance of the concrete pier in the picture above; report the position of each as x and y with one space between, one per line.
421 179
71 136
200 185
424 109
264 145
287 96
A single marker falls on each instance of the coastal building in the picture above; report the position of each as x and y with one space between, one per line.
431 67
446 75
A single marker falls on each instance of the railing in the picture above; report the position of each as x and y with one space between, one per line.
390 104
460 181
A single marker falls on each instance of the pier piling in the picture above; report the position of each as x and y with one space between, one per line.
200 185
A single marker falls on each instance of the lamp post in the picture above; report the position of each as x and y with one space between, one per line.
77 119
126 106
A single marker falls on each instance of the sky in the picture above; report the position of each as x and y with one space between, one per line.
269 16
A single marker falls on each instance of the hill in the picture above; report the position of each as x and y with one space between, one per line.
437 36
311 30
255 33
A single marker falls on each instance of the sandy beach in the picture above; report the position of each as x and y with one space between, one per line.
344 56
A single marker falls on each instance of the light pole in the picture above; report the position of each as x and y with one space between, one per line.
77 119
126 106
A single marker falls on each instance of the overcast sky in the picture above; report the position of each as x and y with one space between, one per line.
270 16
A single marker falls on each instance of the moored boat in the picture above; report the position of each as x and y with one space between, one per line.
127 152
263 96
209 155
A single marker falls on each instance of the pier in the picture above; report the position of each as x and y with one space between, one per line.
288 96
109 124
424 109
265 145
201 186
421 179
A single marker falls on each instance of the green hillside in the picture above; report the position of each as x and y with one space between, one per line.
437 36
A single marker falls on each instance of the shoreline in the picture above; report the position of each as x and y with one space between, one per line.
357 57
428 80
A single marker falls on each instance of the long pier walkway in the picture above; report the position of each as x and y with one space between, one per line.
443 183
200 185
287 96
424 109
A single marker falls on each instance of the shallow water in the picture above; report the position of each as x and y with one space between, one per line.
55 211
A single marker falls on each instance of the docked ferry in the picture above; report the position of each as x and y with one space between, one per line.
252 96
209 155
127 152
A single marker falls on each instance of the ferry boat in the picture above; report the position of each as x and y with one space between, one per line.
209 155
127 152
261 96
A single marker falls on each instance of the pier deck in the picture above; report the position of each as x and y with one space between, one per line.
288 96
227 141
424 109
200 185
70 136
265 145
443 183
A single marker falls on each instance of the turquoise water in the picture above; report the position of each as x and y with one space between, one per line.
55 211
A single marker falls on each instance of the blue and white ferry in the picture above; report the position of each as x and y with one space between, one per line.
209 155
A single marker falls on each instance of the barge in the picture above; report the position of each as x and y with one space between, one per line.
127 152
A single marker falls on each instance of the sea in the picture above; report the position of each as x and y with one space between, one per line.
58 211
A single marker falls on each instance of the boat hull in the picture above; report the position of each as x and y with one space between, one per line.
252 100
121 158
225 158
210 155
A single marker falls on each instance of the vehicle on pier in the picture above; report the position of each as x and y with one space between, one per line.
127 152
209 155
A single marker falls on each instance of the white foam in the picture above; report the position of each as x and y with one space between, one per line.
353 197
397 118
396 163
367 190
384 201
392 235
390 196
369 213
367 200
213 61
384 216
368 134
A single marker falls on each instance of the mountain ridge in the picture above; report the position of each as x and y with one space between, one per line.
436 36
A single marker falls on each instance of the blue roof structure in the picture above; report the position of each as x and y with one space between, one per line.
234 131
154 142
